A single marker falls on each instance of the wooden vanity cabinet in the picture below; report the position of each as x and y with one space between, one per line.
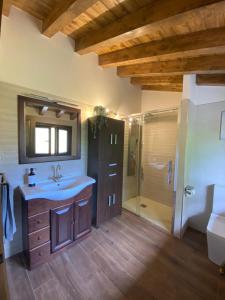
50 226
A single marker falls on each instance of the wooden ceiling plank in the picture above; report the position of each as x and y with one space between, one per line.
6 7
165 88
162 80
63 14
137 23
206 39
210 79
195 65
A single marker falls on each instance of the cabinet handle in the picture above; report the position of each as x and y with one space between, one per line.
115 139
83 203
112 174
109 200
113 165
63 211
38 238
114 199
1 258
111 138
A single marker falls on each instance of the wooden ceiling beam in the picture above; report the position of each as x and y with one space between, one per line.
165 88
137 23
195 43
159 80
6 7
210 79
63 14
195 65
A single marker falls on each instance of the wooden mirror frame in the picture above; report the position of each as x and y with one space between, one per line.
74 114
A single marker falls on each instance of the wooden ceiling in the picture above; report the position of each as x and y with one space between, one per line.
154 42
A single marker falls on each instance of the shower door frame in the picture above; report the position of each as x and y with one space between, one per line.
141 116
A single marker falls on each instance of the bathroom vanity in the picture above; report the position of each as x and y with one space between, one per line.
55 215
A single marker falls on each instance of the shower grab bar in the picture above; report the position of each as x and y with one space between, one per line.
170 172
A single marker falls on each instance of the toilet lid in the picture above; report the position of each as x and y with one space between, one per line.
216 225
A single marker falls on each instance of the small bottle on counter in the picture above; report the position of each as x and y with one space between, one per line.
31 178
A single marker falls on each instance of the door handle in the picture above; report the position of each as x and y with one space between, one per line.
115 139
189 191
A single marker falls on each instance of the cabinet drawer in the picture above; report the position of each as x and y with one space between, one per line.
40 254
38 222
39 237
110 172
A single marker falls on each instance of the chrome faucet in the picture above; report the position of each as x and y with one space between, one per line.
57 175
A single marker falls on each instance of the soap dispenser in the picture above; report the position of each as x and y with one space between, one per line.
31 178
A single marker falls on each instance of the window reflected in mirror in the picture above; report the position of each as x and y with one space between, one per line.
49 131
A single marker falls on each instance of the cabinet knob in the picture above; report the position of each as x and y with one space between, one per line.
38 238
40 254
38 222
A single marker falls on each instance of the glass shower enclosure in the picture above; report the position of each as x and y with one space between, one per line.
150 156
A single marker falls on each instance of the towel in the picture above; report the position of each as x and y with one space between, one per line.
8 219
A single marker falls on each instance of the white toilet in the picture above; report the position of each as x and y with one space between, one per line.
216 227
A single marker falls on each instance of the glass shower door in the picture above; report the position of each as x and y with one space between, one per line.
159 136
132 163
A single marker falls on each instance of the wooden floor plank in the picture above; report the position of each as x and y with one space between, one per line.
19 284
127 258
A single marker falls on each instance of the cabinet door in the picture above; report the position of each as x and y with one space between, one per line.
116 195
82 218
118 140
106 141
62 220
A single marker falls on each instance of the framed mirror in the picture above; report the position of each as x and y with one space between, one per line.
47 131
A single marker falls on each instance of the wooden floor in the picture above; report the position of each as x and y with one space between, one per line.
127 258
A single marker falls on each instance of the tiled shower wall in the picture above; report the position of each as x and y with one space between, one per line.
158 148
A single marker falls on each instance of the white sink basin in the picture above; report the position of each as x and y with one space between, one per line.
58 191
58 186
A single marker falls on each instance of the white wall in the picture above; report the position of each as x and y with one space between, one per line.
201 94
32 60
206 157
152 100
32 63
